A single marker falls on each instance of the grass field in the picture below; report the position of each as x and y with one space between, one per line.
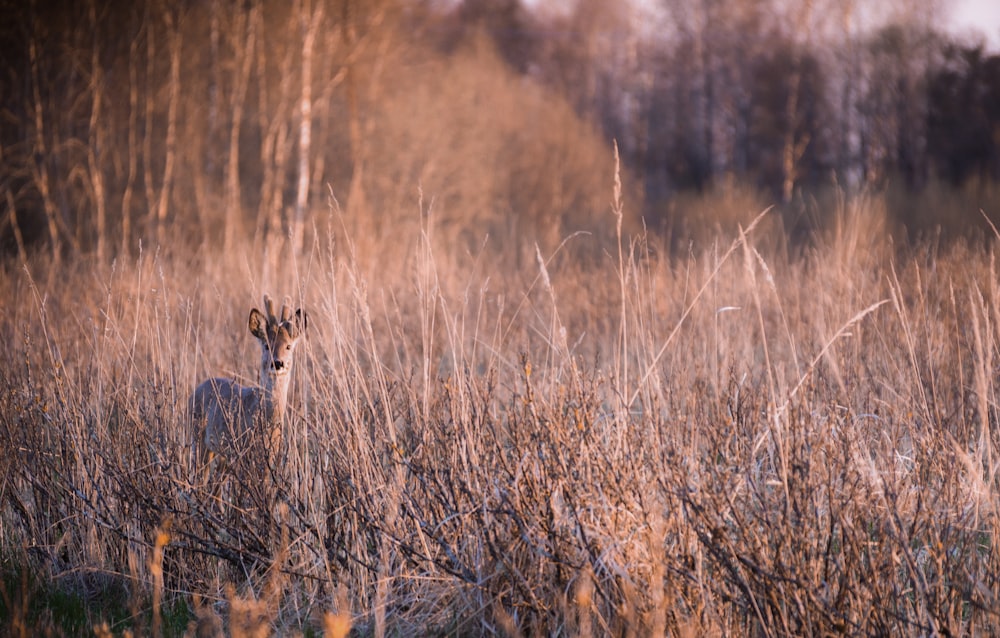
743 438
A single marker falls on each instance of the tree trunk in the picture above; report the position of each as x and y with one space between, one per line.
95 141
244 61
309 24
174 40
40 170
133 151
355 194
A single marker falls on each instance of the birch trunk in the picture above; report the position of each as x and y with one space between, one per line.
310 22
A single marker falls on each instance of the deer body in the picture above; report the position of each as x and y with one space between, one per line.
230 419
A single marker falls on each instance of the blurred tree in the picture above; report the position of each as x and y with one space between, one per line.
173 18
507 23
786 132
964 115
894 105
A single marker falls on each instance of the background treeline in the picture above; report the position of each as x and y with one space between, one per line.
221 120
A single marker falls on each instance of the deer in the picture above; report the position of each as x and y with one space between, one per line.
229 419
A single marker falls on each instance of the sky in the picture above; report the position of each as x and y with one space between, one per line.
962 16
979 15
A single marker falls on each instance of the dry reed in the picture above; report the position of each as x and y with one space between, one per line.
630 444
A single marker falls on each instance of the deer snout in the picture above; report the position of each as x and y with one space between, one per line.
278 364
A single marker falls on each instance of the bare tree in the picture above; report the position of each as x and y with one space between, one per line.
795 139
39 165
244 41
310 21
132 141
95 142
274 118
349 34
174 42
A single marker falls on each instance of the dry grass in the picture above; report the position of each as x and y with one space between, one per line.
729 442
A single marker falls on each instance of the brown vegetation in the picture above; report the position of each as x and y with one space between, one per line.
737 442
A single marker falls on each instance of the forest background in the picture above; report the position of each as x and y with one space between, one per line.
219 119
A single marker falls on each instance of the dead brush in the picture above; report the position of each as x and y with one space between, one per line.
737 447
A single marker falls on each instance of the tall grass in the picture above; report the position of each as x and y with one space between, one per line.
607 438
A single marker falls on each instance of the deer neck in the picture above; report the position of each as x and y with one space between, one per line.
274 396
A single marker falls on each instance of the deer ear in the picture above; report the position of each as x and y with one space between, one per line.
258 325
301 320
